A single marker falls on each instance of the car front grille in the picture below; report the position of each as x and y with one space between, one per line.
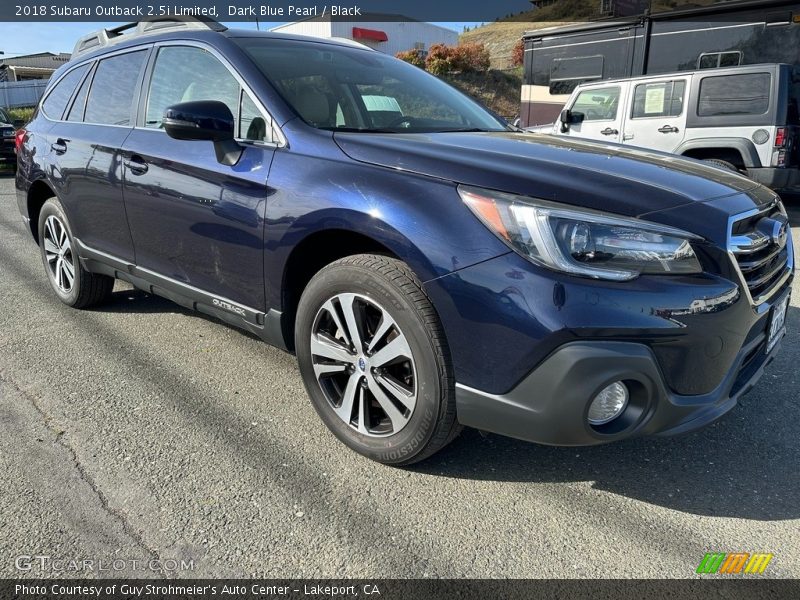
761 245
6 132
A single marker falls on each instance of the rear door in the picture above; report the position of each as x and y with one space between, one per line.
194 220
85 147
657 115
599 108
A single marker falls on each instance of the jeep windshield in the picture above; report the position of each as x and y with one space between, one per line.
337 88
4 117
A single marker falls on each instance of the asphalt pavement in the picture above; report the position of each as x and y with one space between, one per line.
141 432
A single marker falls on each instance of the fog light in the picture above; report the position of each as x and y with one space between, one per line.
608 404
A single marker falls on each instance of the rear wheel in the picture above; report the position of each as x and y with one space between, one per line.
74 285
374 360
722 164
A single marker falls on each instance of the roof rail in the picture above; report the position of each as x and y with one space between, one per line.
110 36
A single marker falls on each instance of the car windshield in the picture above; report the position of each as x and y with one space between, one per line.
4 118
338 88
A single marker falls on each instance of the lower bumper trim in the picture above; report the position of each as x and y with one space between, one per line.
550 405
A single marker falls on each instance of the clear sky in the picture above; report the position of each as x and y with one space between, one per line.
29 38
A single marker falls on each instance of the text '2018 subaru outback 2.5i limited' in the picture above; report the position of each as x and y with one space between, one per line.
430 267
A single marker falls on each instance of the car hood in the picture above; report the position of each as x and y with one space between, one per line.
607 177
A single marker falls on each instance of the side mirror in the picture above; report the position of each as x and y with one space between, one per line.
568 118
205 120
565 118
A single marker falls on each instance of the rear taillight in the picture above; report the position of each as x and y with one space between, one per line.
19 138
780 137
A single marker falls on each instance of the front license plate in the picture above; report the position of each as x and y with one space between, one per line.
777 324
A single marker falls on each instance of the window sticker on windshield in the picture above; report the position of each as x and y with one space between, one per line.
654 100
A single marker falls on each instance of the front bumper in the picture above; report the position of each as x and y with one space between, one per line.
531 349
550 405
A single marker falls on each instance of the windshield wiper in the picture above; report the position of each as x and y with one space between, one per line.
467 130
358 130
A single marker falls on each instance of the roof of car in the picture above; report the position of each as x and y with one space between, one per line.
103 41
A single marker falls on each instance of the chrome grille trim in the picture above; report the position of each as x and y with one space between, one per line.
761 277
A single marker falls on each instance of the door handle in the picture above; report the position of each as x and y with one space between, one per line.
668 129
609 131
59 146
136 165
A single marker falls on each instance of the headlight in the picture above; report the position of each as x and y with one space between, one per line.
581 241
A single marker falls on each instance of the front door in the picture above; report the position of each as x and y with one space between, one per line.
192 219
657 119
597 110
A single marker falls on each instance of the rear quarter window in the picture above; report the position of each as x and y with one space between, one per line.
745 94
56 101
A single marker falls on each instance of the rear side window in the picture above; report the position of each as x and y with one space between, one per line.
114 89
79 104
745 94
56 101
658 99
714 60
568 73
598 104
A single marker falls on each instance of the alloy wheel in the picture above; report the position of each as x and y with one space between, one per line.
364 365
58 251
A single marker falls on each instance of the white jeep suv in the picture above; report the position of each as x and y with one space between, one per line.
741 118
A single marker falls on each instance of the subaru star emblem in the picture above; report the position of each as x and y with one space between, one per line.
362 364
775 229
779 233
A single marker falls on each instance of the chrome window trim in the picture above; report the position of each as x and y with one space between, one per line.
281 142
734 241
91 62
71 96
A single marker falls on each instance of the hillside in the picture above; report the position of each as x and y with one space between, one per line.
499 90
500 38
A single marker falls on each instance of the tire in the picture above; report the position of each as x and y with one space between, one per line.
722 164
410 401
55 244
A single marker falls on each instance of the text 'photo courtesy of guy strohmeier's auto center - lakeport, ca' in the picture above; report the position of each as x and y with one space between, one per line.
400 300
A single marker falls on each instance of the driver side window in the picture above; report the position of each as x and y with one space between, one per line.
187 74
598 104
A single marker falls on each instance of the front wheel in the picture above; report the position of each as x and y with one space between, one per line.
375 361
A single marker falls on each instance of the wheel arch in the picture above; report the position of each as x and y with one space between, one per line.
38 193
740 152
322 247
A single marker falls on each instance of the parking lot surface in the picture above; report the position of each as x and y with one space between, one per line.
140 431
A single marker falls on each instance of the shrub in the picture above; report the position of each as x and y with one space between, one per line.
518 54
414 57
464 58
440 59
471 58
24 114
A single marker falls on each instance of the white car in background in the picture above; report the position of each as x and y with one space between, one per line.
745 119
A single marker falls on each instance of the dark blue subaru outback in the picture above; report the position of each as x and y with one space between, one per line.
429 266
